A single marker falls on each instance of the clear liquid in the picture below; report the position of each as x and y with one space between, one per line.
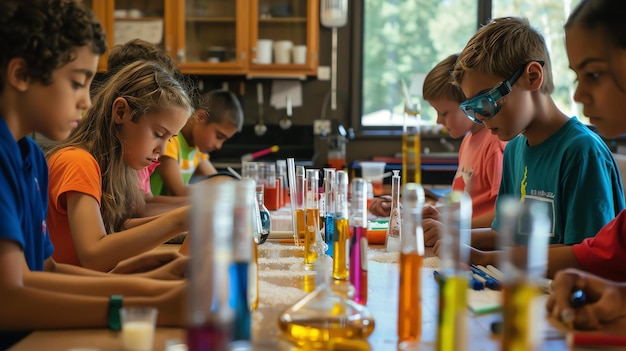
411 158
410 299
452 314
310 237
340 244
518 331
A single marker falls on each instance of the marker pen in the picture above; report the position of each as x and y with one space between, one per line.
578 339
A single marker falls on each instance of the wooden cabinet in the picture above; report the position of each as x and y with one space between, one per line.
218 37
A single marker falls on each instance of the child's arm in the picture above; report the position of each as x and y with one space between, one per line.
172 178
99 251
484 220
39 298
205 168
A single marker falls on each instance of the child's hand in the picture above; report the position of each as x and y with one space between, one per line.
145 262
173 270
430 211
432 230
604 299
381 206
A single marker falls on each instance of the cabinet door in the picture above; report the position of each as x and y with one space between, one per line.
212 36
280 29
100 10
150 20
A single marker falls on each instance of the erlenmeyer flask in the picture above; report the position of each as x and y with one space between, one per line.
323 316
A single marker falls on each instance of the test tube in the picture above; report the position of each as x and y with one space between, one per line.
342 228
411 262
329 208
312 215
210 316
358 243
523 231
392 239
454 256
293 198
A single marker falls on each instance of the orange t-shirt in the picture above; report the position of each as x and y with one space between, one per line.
71 169
480 170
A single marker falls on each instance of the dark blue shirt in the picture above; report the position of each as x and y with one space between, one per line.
24 197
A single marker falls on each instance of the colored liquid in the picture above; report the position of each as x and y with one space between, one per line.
358 264
336 163
329 232
253 278
300 223
239 300
340 244
270 198
138 335
410 299
310 237
309 282
377 186
316 333
204 338
520 331
452 329
411 158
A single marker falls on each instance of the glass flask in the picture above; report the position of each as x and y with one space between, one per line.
329 213
392 239
323 317
264 218
358 242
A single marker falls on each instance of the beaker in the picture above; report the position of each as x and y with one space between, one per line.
337 151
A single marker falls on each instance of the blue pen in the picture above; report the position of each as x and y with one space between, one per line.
491 282
578 298
473 283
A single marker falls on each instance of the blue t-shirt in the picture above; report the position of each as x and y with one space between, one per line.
572 172
24 197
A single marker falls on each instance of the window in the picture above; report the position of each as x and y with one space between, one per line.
404 39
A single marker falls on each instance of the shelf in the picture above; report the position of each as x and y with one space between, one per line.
288 20
211 19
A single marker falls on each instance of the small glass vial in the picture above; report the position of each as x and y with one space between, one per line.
264 218
392 239
453 284
358 243
411 262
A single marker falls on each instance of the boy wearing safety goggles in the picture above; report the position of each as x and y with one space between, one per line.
551 158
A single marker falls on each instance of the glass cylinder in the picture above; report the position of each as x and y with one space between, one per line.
329 209
342 228
524 231
210 316
337 151
312 215
358 243
411 143
411 262
392 239
453 284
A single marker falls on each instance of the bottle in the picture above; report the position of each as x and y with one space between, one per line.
329 213
323 316
264 218
358 242
342 228
411 142
411 262
524 232
241 280
392 239
210 315
453 284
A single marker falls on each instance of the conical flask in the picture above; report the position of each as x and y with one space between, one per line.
324 317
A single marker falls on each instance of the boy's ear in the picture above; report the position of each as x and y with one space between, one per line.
120 110
17 74
535 75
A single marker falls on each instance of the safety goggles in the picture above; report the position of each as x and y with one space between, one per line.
486 103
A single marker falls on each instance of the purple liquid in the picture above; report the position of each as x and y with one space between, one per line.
208 338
